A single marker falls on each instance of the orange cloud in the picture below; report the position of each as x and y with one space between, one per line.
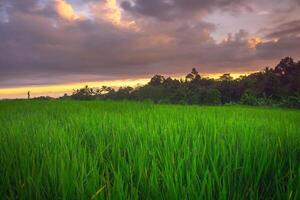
113 12
65 10
110 11
253 42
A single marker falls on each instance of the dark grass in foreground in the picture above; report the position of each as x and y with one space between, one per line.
127 150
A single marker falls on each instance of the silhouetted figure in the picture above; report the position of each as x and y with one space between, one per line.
28 94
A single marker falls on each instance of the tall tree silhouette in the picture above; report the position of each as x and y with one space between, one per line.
272 86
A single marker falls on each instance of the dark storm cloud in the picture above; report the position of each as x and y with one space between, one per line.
170 9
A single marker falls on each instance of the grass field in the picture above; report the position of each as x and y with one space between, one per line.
128 150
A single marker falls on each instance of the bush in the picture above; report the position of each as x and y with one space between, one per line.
249 98
291 101
164 101
211 97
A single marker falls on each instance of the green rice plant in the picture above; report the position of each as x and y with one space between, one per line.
139 150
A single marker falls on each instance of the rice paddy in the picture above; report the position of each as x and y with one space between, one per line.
138 150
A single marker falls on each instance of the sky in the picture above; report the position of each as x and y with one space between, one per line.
52 46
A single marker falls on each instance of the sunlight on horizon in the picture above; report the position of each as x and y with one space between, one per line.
60 89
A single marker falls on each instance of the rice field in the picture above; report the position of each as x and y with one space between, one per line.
130 150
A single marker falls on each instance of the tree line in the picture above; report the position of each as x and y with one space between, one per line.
278 86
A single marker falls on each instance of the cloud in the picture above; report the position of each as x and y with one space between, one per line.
53 43
285 46
65 10
24 5
285 29
173 9
109 11
282 40
297 1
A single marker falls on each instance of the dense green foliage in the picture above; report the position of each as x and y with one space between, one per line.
128 150
279 86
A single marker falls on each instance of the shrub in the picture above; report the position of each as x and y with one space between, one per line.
249 98
211 97
291 101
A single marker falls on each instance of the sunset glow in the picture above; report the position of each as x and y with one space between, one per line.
109 11
253 42
65 10
59 90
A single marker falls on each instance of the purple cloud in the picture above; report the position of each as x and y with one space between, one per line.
39 46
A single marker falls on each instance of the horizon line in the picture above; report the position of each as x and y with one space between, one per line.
56 90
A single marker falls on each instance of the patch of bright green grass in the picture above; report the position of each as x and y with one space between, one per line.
128 150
